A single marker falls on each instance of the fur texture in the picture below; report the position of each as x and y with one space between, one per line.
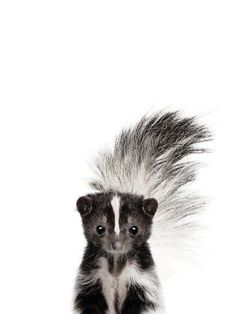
152 161
159 157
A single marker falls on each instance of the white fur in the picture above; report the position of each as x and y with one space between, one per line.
115 203
150 160
131 274
109 284
158 311
174 229
148 279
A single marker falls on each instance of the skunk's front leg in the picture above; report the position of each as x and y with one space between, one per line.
90 300
137 302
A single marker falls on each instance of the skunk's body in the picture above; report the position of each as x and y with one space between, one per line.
148 163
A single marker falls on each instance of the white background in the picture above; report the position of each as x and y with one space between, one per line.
72 73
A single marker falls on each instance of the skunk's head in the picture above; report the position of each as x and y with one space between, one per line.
116 223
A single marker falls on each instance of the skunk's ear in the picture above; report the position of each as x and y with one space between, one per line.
150 206
84 205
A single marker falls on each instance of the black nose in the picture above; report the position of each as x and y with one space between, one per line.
117 245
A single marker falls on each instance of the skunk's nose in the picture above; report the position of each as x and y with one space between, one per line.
117 245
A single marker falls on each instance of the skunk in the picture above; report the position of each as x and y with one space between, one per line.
140 191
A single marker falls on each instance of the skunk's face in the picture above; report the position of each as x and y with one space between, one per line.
116 223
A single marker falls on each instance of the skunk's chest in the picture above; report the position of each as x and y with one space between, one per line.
115 285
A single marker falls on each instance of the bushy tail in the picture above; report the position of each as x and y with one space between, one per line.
154 159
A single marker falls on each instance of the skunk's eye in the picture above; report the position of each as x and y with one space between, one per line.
100 229
133 230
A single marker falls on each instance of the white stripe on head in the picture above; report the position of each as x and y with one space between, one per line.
115 203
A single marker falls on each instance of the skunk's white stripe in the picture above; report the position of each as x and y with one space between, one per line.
115 203
132 274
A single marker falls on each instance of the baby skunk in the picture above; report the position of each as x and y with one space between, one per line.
139 188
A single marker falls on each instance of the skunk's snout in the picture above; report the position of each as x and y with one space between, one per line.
117 245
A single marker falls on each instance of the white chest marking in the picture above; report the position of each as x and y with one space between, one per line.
116 286
109 284
115 203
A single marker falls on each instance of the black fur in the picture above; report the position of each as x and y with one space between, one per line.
156 143
145 169
136 302
93 208
90 298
